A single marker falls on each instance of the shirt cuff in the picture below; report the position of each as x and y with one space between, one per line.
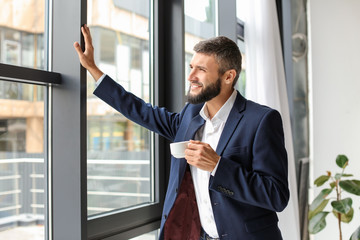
214 171
97 83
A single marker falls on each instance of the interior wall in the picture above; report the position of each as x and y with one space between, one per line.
334 96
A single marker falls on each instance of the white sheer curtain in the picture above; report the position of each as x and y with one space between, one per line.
266 85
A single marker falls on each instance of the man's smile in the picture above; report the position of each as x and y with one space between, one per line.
195 85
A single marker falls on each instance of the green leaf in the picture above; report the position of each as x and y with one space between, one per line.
342 161
319 203
342 206
356 234
347 175
321 180
317 223
333 184
351 186
346 218
320 206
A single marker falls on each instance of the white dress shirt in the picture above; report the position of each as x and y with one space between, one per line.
209 133
97 83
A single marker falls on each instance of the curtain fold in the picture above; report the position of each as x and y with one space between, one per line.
266 85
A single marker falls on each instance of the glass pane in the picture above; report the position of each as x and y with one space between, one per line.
119 151
22 170
22 24
200 24
241 83
241 7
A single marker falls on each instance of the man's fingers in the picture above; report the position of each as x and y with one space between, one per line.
87 36
78 48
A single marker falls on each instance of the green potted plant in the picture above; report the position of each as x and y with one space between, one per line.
341 207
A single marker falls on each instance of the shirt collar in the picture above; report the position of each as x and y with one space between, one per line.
223 113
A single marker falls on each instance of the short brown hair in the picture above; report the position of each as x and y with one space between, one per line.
225 51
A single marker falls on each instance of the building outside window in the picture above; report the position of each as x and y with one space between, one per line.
119 151
200 24
22 145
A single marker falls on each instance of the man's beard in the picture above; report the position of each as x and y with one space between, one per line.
206 93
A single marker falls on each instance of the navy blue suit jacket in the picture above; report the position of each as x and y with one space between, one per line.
251 181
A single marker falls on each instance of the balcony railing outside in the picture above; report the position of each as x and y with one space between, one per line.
22 193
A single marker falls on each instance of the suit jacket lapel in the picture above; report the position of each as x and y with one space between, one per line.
231 123
194 126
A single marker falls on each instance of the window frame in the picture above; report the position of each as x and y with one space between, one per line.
168 56
33 76
126 223
70 220
66 126
48 79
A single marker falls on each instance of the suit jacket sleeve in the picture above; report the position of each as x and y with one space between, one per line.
256 174
155 118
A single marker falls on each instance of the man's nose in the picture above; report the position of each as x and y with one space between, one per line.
191 75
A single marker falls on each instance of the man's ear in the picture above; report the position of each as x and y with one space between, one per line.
230 76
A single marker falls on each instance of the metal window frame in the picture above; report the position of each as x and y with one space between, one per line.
67 92
240 30
141 219
47 79
28 75
69 199
70 219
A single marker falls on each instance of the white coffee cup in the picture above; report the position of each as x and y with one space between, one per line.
177 149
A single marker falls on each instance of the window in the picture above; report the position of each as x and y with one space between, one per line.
22 166
122 189
241 83
200 24
119 151
23 173
24 120
81 178
22 33
240 33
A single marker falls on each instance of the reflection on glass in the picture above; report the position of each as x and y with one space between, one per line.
22 33
200 24
119 151
22 180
